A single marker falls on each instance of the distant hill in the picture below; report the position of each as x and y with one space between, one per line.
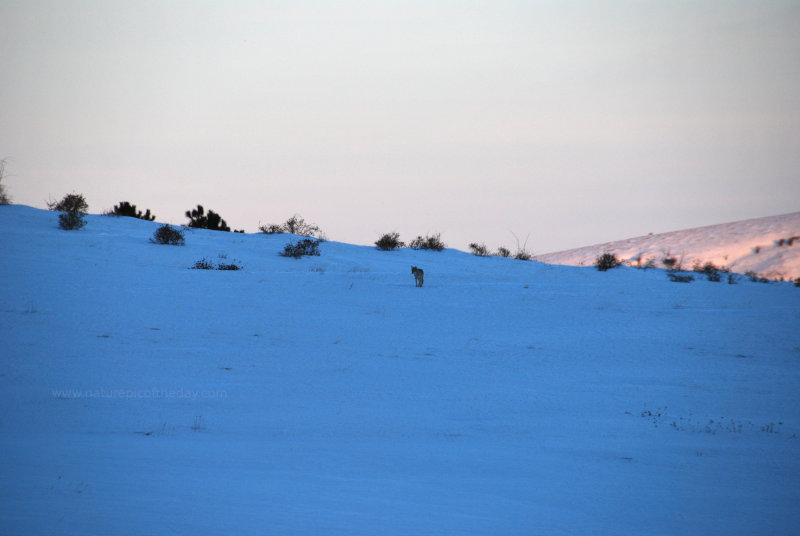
769 246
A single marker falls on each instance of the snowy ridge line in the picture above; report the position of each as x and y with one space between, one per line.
767 247
190 394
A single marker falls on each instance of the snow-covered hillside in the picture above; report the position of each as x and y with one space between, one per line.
328 395
769 247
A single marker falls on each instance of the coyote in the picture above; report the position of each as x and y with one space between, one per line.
419 275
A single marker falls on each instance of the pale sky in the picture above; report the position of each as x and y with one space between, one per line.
570 123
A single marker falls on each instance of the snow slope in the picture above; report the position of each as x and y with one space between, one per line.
328 395
759 245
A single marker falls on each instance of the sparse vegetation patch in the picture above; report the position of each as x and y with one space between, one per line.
523 255
712 426
206 264
786 241
711 271
203 264
755 278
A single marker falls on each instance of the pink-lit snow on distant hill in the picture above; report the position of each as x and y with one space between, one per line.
769 247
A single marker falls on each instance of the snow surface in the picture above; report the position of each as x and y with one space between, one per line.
328 395
760 245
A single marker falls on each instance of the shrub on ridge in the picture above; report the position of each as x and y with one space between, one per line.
200 220
390 242
124 208
431 242
479 250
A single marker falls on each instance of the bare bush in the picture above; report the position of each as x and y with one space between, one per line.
606 261
711 271
389 242
522 253
479 250
272 228
301 248
430 242
296 225
168 235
